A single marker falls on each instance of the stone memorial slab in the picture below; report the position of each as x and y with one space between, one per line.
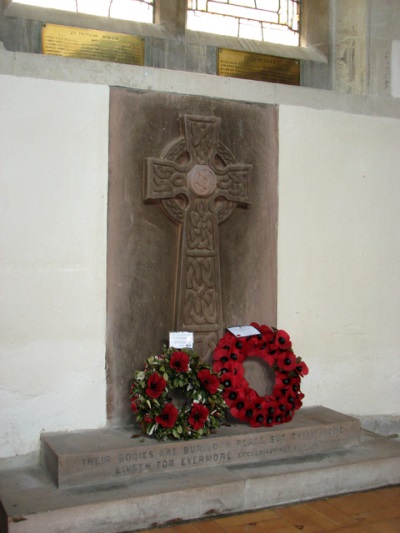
192 227
104 456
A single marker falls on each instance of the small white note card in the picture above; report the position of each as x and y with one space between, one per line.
181 339
243 331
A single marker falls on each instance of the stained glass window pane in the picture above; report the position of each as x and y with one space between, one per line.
137 10
264 20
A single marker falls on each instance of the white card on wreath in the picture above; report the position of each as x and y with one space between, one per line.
181 339
243 331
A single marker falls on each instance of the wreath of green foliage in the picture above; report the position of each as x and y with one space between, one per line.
172 374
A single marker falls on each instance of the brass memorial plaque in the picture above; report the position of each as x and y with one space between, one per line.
83 43
260 67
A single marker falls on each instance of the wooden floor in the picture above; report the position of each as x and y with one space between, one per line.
374 511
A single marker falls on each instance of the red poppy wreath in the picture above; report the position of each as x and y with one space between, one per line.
152 396
275 348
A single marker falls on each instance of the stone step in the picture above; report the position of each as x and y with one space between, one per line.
104 456
31 503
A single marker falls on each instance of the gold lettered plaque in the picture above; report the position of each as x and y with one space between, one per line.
258 67
68 41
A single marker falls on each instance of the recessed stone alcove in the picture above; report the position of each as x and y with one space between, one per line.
143 243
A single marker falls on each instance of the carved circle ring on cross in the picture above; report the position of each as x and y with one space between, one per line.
275 348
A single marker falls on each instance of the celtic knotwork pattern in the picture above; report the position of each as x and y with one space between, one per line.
173 209
235 184
175 150
225 154
167 179
206 342
201 137
199 184
200 233
200 297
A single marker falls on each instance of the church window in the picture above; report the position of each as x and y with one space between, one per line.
275 21
135 10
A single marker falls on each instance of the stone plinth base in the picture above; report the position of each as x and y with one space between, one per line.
31 502
106 456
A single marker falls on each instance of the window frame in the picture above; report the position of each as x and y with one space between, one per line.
314 38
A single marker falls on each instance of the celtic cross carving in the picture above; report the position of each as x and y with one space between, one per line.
199 184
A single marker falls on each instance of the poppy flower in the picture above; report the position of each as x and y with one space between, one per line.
282 340
147 419
266 356
282 380
302 368
168 416
270 411
237 408
236 355
286 360
258 418
155 385
179 361
247 413
134 405
232 367
230 381
233 396
209 381
297 402
198 416
221 353
230 348
250 346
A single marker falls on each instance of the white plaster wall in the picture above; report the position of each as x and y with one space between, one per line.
339 256
53 172
339 253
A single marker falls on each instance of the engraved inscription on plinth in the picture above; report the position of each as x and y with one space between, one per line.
199 184
108 456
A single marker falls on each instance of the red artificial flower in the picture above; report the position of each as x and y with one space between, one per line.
297 402
236 353
134 405
257 419
237 408
229 347
282 340
286 360
179 361
147 419
231 397
302 368
155 385
168 416
221 353
250 346
230 381
254 412
266 356
247 412
232 367
198 416
295 386
219 366
270 410
209 381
